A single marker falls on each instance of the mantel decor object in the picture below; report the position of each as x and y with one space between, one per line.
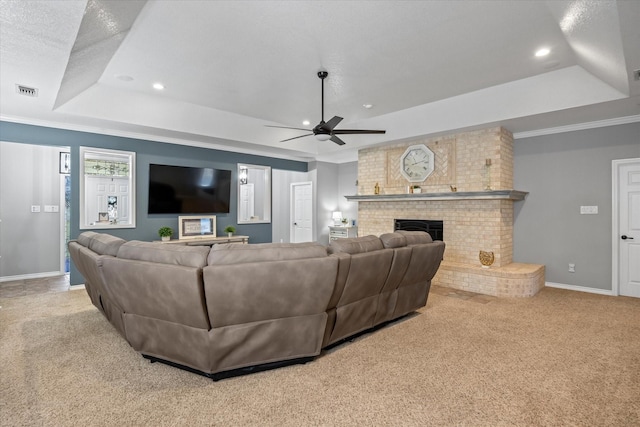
486 258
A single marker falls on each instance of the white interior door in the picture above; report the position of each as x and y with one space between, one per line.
247 204
101 191
302 212
628 221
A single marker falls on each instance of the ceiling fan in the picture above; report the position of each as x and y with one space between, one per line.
326 130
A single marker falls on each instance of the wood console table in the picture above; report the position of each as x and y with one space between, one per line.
207 241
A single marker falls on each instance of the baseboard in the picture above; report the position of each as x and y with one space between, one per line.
32 276
579 288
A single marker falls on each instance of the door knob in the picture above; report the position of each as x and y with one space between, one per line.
625 237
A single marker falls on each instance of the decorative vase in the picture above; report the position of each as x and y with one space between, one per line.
486 258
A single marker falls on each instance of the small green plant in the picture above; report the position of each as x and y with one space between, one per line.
165 231
229 229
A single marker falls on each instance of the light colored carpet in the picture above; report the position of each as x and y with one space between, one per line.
560 358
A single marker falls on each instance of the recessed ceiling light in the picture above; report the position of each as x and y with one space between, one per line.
367 106
306 122
124 77
543 52
158 86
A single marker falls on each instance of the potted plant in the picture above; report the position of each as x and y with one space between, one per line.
230 229
165 233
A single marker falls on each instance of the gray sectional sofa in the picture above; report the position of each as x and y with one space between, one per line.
233 309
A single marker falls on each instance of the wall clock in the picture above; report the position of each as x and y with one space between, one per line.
417 163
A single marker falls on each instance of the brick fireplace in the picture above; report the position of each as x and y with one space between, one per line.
471 191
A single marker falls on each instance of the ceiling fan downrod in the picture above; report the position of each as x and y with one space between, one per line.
323 75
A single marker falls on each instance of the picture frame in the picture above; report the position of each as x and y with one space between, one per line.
65 163
196 227
103 217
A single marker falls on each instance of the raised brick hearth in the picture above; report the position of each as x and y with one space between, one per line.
469 163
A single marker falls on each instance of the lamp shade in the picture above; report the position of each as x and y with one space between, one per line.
323 137
337 215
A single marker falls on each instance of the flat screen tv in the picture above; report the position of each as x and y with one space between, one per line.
188 190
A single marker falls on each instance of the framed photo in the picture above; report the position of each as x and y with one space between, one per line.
196 227
103 217
65 163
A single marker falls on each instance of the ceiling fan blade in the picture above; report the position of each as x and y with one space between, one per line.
296 137
286 127
337 140
355 131
331 123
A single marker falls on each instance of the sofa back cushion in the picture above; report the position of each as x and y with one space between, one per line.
261 252
355 245
100 243
188 256
106 244
85 238
416 237
393 240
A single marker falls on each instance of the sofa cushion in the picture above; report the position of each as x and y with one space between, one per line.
393 240
105 244
416 237
188 256
355 245
237 254
85 238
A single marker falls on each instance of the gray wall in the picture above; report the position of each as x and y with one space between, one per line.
347 186
325 177
562 172
147 152
281 204
30 242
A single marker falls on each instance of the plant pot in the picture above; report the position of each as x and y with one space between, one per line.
166 238
230 234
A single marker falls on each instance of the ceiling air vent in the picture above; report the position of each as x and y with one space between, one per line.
27 91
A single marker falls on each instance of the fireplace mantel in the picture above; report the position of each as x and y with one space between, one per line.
514 195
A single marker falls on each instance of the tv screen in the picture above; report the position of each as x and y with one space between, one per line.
188 190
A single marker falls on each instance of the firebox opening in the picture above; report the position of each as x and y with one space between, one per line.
433 227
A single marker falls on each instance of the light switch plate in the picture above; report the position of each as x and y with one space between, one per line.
588 210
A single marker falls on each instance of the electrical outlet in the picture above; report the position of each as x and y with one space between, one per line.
588 210
572 268
35 208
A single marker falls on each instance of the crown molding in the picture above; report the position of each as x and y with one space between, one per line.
152 138
578 126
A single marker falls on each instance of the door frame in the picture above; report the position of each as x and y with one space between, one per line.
615 223
292 206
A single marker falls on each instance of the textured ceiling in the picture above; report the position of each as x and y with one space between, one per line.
230 67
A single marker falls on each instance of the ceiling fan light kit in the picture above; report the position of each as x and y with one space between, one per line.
325 131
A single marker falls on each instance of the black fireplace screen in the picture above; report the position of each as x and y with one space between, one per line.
433 227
